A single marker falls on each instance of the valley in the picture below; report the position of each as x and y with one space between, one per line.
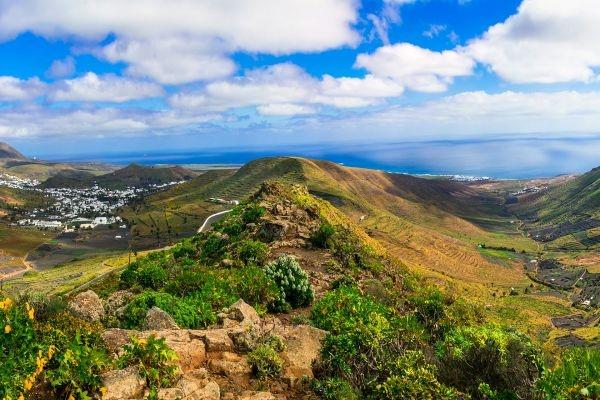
474 240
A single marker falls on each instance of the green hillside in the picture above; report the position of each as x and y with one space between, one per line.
131 176
566 216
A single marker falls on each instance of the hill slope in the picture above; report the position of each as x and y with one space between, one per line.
567 215
433 226
133 176
9 152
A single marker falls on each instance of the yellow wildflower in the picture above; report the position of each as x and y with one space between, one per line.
5 304
51 351
7 329
28 383
30 311
21 397
103 391
71 397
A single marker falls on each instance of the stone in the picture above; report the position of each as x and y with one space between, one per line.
257 396
188 390
302 348
88 305
123 384
116 302
232 369
244 313
190 349
157 319
116 338
217 340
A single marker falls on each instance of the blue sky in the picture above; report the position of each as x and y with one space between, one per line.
81 78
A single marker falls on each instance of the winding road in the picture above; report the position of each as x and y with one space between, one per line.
211 219
28 266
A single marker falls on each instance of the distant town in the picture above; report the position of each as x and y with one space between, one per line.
77 208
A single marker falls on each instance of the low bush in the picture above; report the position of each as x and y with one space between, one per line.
576 376
294 286
265 362
188 313
75 370
155 361
502 359
252 213
22 357
322 237
365 338
414 378
335 389
151 276
252 252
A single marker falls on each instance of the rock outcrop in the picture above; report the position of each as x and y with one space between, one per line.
88 305
123 384
157 319
215 360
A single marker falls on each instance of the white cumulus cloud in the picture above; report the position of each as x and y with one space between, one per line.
546 41
417 68
187 40
105 88
15 89
285 109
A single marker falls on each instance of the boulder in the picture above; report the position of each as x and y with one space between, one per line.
88 305
115 338
257 396
217 340
123 384
157 319
192 386
190 349
116 302
188 345
239 314
302 348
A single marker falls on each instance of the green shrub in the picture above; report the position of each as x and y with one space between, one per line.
187 282
155 361
429 305
265 362
252 213
252 252
213 247
23 357
295 288
75 370
413 379
183 250
576 376
365 338
335 389
500 357
128 277
188 313
251 284
322 237
151 276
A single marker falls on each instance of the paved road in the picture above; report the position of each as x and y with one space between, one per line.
211 219
207 223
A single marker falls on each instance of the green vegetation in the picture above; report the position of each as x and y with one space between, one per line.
155 361
294 287
51 346
576 376
265 362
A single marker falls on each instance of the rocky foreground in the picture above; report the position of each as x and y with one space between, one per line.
212 362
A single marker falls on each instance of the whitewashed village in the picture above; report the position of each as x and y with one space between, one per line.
74 209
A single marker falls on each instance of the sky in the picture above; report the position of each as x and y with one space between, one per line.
82 77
